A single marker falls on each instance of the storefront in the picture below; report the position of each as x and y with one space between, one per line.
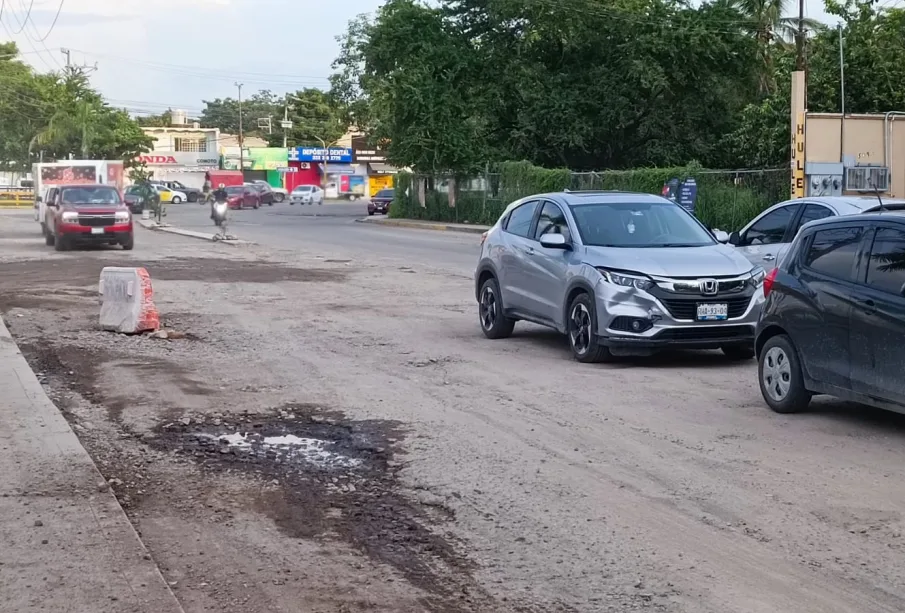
187 167
379 173
343 178
266 165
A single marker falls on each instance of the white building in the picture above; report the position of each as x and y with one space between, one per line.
182 152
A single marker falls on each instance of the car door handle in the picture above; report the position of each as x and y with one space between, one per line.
769 257
529 250
869 306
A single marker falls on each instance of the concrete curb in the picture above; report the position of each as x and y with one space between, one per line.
91 550
150 224
411 223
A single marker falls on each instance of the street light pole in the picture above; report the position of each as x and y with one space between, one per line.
241 139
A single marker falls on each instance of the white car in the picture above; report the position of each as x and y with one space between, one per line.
168 195
307 194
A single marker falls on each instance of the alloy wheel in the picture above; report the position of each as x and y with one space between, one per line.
777 373
488 308
580 328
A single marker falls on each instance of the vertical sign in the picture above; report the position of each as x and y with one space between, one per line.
798 158
688 194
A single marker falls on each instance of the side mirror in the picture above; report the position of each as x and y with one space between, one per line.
720 236
735 239
554 241
39 199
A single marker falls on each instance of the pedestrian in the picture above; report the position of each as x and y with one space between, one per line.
206 188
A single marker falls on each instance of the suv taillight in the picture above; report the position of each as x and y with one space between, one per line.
768 281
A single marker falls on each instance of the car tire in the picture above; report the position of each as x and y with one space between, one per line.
128 243
256 206
49 238
780 377
60 243
738 352
581 328
176 200
494 323
193 197
43 229
279 197
370 212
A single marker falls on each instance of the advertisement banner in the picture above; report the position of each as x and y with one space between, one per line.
231 158
267 158
342 155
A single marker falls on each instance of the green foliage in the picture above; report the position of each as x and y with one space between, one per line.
726 200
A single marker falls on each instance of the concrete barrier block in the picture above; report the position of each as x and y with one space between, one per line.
127 301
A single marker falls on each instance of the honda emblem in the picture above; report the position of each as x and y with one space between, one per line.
709 287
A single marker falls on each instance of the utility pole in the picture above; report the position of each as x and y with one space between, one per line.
285 123
241 138
68 55
800 61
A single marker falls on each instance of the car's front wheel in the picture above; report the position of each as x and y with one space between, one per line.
128 243
582 330
494 323
279 197
780 376
60 243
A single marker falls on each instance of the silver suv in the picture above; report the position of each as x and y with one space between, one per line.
618 273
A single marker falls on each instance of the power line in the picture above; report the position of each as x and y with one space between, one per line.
19 31
53 23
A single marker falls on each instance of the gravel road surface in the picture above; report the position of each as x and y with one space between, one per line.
329 431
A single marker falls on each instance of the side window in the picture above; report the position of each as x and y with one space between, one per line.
520 219
551 221
770 228
832 252
813 212
886 271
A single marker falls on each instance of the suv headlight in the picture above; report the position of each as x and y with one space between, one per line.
70 216
122 216
757 277
626 280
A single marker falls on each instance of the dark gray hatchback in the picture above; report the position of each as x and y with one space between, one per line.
834 317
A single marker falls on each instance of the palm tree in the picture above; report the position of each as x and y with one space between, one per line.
768 26
68 124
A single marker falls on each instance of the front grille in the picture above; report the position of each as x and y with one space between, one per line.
706 333
687 308
97 221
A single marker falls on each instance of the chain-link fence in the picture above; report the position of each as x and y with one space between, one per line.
725 199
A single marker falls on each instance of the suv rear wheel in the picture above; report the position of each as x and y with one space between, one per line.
581 328
494 323
779 374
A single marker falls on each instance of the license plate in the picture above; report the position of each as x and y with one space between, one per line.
713 312
97 230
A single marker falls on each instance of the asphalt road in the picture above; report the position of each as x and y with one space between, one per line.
333 228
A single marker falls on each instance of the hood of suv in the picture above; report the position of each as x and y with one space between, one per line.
709 261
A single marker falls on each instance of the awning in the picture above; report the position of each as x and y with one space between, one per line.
382 169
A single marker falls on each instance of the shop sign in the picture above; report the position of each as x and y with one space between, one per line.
798 158
285 169
181 158
267 158
364 153
341 155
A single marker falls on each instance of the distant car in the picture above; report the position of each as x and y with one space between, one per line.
766 239
834 317
264 191
307 194
279 194
168 195
132 198
242 197
87 214
380 202
192 194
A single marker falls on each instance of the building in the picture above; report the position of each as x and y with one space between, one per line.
332 168
379 173
182 152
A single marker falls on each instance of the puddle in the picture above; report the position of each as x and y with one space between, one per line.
284 448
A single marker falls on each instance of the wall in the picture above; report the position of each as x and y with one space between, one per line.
303 176
863 140
165 138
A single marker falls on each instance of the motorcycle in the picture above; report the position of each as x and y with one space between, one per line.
219 213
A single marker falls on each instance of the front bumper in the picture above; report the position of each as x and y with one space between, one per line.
301 200
618 306
89 234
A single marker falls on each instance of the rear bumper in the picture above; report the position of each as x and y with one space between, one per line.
378 207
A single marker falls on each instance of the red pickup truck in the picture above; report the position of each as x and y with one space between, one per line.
87 214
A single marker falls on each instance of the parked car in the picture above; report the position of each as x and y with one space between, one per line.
132 198
307 194
87 214
619 274
768 236
168 195
380 202
264 191
192 194
279 194
834 318
242 196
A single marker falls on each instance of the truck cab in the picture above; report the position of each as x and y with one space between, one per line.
79 214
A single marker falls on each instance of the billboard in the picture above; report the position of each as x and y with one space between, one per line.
340 155
267 158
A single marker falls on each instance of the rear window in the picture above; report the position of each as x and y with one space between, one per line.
235 190
88 195
832 252
385 193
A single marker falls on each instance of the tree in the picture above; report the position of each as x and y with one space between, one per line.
223 113
156 121
315 115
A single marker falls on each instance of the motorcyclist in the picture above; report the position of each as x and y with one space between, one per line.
219 195
206 189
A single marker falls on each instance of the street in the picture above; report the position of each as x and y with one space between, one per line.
432 469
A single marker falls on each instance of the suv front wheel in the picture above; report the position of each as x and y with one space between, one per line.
581 328
494 323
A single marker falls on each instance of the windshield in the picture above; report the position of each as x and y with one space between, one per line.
235 190
384 193
88 195
302 188
638 224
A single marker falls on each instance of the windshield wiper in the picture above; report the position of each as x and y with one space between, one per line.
678 245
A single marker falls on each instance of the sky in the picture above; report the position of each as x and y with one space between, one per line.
155 54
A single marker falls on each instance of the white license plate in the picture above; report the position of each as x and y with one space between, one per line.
97 230
713 312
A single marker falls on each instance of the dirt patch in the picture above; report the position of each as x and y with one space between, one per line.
333 478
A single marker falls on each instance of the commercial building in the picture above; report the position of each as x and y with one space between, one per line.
379 173
332 168
181 152
259 163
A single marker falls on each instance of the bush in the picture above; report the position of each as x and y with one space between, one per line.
726 199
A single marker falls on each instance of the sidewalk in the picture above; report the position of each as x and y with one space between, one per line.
426 225
65 543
